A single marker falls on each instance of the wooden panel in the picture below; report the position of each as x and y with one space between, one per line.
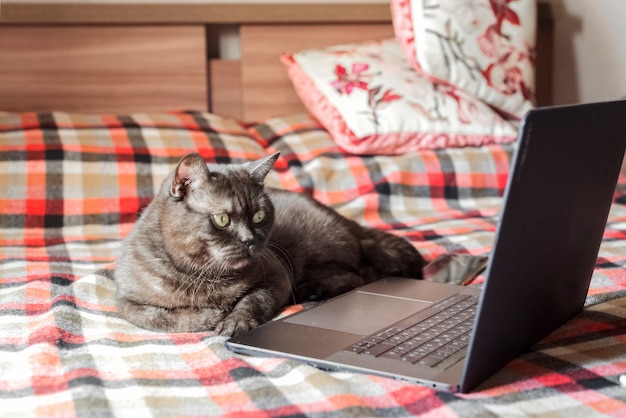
267 90
225 92
102 68
207 11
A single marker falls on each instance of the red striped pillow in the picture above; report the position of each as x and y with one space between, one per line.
485 47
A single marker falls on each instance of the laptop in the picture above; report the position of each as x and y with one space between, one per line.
556 204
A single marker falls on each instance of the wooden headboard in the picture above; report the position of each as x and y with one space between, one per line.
95 56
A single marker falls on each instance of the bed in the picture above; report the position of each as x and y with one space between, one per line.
76 173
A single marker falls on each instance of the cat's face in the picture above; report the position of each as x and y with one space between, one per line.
220 213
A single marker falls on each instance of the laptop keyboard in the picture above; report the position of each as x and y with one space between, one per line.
428 337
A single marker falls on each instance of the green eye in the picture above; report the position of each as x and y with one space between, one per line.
221 220
258 217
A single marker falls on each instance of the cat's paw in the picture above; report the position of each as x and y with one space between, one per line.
234 324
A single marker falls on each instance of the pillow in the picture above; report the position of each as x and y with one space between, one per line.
485 47
372 102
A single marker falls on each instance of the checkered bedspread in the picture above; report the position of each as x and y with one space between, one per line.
71 187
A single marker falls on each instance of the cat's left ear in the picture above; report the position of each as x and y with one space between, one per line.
259 169
190 173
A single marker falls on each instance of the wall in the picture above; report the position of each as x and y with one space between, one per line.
590 50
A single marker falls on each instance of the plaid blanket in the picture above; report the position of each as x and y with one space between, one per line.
73 185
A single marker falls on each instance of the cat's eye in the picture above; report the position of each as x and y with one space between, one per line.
258 217
221 220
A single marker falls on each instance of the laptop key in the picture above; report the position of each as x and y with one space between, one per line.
359 347
426 338
429 361
377 350
393 354
413 356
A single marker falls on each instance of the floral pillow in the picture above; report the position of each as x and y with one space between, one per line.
485 47
372 102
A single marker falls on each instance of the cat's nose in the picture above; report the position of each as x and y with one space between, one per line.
246 237
251 248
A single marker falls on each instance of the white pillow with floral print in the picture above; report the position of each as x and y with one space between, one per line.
372 102
485 47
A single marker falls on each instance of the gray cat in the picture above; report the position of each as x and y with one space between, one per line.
216 250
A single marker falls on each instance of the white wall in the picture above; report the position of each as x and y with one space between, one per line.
590 50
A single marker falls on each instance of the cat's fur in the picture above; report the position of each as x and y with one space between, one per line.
181 270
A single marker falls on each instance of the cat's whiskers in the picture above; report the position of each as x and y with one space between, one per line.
186 284
287 266
217 275
199 275
198 280
285 259
261 257
158 264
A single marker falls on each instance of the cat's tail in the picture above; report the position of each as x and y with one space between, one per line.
389 255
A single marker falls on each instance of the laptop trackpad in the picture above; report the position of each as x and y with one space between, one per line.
359 313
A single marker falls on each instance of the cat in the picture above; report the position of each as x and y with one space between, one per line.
217 250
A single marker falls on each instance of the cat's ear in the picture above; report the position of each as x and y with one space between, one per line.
259 169
190 173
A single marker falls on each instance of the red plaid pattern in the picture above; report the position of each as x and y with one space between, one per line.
71 187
